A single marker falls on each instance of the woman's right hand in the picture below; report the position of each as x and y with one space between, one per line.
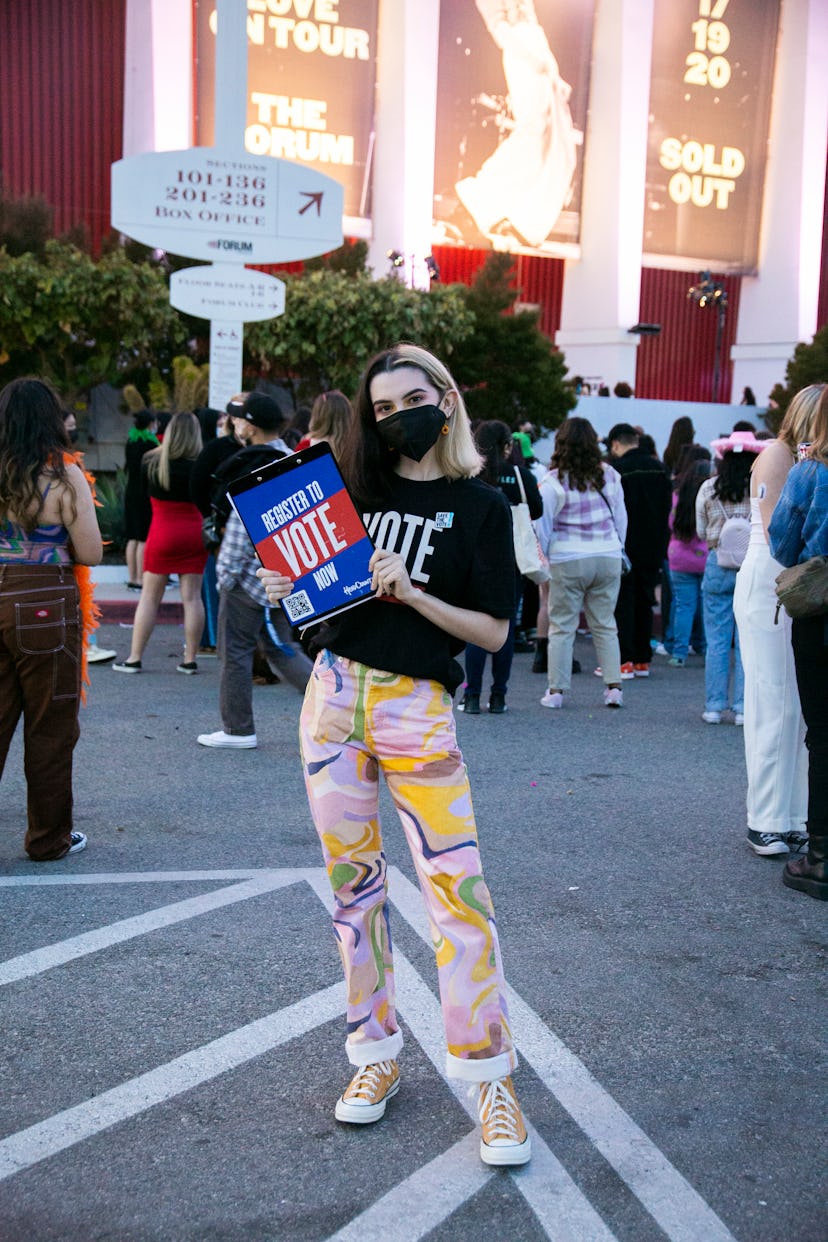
276 586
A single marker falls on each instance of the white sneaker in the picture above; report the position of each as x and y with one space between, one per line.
712 717
613 697
233 741
738 718
99 655
78 843
660 649
552 699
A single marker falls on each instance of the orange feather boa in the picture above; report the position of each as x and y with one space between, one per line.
89 610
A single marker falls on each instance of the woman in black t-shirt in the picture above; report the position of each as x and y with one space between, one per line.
379 699
517 483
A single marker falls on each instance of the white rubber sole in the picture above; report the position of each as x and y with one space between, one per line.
364 1114
510 1154
228 741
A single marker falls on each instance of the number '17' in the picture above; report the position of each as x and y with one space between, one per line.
713 9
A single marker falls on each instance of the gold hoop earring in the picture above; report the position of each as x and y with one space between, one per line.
444 429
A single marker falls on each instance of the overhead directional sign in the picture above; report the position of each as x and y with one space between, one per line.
226 205
226 292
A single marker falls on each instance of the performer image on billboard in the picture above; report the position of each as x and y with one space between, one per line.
524 185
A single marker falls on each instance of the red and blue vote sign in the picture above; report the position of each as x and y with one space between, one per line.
305 526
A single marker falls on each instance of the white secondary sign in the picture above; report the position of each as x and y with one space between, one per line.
214 204
226 346
229 292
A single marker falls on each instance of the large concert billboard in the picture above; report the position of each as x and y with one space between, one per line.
710 98
311 82
513 85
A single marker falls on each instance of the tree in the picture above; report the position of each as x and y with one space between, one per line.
78 322
334 322
507 368
26 224
809 365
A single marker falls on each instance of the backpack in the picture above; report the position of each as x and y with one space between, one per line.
733 541
252 457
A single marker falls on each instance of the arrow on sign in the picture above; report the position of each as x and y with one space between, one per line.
316 197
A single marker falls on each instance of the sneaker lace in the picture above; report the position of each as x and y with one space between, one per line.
499 1111
367 1078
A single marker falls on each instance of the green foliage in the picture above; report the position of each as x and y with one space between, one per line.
26 224
188 390
507 367
78 322
809 365
132 399
111 520
333 323
351 258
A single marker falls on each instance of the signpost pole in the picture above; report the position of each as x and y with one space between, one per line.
227 339
230 207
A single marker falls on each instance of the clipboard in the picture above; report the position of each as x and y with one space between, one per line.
304 524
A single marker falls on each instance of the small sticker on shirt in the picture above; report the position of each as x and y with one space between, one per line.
762 491
443 521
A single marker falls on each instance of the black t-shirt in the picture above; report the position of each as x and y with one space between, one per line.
456 539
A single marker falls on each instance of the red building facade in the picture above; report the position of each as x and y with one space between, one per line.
61 121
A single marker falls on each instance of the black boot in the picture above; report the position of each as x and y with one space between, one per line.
470 704
810 874
541 648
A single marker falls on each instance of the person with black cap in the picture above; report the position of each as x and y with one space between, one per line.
245 619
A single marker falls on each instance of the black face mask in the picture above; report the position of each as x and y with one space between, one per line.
412 432
73 436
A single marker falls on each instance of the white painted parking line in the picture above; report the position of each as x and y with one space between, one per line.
146 877
563 1212
424 1200
680 1210
73 1125
58 954
669 1198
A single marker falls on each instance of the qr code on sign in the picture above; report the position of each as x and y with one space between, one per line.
298 606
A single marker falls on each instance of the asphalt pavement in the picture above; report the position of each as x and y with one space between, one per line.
171 998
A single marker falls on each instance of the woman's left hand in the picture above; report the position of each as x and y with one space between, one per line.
389 575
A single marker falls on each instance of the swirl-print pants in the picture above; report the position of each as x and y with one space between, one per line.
357 721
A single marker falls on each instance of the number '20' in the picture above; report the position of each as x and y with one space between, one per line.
707 71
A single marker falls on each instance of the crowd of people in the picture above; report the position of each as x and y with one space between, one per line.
615 525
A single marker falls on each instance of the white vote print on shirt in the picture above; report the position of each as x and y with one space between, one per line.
410 535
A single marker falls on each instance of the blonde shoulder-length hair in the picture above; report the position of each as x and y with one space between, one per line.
797 426
182 438
819 429
367 463
330 420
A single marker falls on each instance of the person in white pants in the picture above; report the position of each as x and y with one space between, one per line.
775 754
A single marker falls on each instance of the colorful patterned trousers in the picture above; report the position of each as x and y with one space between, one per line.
356 722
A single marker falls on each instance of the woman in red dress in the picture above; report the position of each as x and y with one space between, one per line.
174 544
